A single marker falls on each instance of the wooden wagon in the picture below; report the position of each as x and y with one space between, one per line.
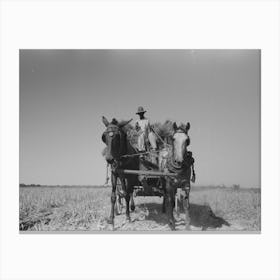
139 190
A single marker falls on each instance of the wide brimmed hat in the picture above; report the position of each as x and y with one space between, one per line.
140 110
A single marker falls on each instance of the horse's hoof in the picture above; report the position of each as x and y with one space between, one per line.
187 227
127 219
132 207
172 226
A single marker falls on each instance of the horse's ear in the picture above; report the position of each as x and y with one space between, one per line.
175 126
105 121
188 126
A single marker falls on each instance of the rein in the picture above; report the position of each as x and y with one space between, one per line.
163 142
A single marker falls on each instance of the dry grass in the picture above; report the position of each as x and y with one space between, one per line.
83 208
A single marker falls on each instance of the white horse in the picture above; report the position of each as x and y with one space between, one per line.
175 158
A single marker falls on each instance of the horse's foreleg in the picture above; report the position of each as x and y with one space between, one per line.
186 205
132 204
163 184
113 199
127 200
170 201
127 195
163 208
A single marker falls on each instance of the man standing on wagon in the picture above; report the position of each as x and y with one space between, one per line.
145 133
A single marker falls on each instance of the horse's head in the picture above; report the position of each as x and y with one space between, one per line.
115 139
180 141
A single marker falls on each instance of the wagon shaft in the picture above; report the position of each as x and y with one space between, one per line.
146 172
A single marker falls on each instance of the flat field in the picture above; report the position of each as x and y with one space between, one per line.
87 209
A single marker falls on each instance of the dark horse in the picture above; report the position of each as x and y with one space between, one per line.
117 146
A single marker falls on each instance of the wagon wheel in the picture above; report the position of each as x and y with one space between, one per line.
119 201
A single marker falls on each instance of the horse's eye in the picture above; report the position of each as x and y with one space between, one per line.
103 138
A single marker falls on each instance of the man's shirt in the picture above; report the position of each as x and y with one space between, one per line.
143 124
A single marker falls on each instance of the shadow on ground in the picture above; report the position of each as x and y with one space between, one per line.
201 215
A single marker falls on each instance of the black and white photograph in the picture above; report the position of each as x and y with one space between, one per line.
140 140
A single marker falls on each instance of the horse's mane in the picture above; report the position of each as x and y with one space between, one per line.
164 130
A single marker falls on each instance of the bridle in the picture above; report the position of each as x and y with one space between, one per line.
171 162
111 131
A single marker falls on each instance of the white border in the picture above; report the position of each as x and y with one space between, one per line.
156 24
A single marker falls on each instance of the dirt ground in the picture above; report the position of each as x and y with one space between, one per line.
87 209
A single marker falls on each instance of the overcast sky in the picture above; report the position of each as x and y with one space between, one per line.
64 93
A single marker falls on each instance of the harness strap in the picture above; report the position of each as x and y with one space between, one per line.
159 137
193 174
107 175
